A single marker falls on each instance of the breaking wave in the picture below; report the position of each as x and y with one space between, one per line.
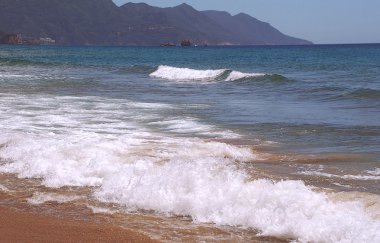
187 74
181 74
235 75
185 176
131 165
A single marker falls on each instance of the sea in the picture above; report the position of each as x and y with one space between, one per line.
197 144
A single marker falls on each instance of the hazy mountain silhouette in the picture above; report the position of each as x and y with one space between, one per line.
250 30
101 22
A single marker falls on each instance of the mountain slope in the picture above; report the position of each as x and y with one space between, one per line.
101 22
251 30
171 24
68 21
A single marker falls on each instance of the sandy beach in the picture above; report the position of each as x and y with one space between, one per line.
16 226
22 222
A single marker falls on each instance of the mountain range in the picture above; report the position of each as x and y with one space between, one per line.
101 22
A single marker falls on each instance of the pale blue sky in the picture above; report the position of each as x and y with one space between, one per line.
321 21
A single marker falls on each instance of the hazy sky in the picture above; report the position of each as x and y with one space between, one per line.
321 21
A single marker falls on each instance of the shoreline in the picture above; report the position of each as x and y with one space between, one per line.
20 226
53 221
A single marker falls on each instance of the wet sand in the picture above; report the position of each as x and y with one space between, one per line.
17 226
74 221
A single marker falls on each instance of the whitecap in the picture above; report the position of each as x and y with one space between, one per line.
183 74
235 75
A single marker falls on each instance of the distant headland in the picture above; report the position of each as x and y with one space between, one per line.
101 22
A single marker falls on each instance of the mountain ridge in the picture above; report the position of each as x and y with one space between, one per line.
102 22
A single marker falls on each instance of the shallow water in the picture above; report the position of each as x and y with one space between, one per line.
284 141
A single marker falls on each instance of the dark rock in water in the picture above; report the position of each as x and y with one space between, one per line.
168 44
185 43
11 39
101 22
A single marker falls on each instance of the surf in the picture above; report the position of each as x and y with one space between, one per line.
127 163
188 74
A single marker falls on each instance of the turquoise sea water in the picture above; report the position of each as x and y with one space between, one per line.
308 114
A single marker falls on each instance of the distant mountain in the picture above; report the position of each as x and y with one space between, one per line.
250 30
101 22
66 21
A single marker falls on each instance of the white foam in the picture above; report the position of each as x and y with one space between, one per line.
370 201
184 126
362 177
341 185
99 210
374 172
86 159
14 76
4 188
143 105
188 177
142 169
235 75
40 198
183 74
194 126
213 191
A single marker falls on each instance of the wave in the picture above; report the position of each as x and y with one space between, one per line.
161 72
187 74
89 141
45 63
136 69
374 172
109 147
363 94
235 75
328 89
182 74
361 177
186 176
8 76
334 93
22 62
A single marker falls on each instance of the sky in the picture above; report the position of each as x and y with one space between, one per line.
320 21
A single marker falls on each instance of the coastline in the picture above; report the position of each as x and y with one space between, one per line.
54 221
